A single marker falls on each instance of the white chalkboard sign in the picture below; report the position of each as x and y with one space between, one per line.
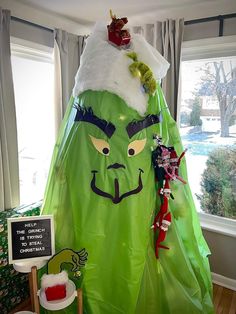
30 238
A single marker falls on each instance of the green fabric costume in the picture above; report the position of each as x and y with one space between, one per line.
122 274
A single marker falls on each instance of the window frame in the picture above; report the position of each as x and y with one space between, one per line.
36 52
204 49
31 50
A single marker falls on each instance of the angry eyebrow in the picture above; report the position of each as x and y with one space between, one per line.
87 115
136 126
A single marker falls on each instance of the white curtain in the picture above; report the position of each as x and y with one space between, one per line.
9 170
67 51
167 37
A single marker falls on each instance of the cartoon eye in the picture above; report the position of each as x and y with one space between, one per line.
101 145
136 147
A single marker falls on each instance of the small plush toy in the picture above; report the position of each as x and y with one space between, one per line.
174 165
165 193
166 166
166 162
162 233
163 218
116 35
54 285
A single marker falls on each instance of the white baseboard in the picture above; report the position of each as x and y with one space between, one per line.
224 281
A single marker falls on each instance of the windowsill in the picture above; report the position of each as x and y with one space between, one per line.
217 224
209 48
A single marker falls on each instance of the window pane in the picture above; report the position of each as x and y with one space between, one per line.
208 130
33 85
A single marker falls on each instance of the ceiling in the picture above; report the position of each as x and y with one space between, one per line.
89 11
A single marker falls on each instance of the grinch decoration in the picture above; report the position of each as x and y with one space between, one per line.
76 260
110 188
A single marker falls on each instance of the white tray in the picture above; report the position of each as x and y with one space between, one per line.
71 293
25 267
25 312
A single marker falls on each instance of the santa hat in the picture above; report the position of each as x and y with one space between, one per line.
54 285
54 279
106 68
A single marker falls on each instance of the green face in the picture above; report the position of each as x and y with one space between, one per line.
116 143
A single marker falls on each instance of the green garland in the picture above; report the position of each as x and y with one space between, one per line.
142 71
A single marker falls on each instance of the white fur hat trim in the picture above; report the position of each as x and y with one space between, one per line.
54 279
105 67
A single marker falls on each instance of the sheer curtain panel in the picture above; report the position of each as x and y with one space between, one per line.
67 51
9 170
167 37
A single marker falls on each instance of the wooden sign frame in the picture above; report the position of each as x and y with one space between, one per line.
10 221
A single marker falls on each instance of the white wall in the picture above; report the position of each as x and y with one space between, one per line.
44 18
223 253
198 9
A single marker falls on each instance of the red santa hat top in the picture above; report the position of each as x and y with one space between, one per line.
106 68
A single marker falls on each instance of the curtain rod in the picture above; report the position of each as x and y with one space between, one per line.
219 18
210 19
17 19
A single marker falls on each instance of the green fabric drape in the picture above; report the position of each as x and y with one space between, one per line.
122 274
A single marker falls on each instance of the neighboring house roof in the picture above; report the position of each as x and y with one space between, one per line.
210 112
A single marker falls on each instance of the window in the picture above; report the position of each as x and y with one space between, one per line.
33 80
208 130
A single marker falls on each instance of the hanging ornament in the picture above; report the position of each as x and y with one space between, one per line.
116 34
166 165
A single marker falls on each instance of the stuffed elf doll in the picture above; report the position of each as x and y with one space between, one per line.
104 194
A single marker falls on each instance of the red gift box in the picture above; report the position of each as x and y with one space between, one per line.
56 292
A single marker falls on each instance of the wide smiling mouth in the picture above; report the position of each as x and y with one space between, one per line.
117 198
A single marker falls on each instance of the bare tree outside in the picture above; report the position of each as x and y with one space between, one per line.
220 79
